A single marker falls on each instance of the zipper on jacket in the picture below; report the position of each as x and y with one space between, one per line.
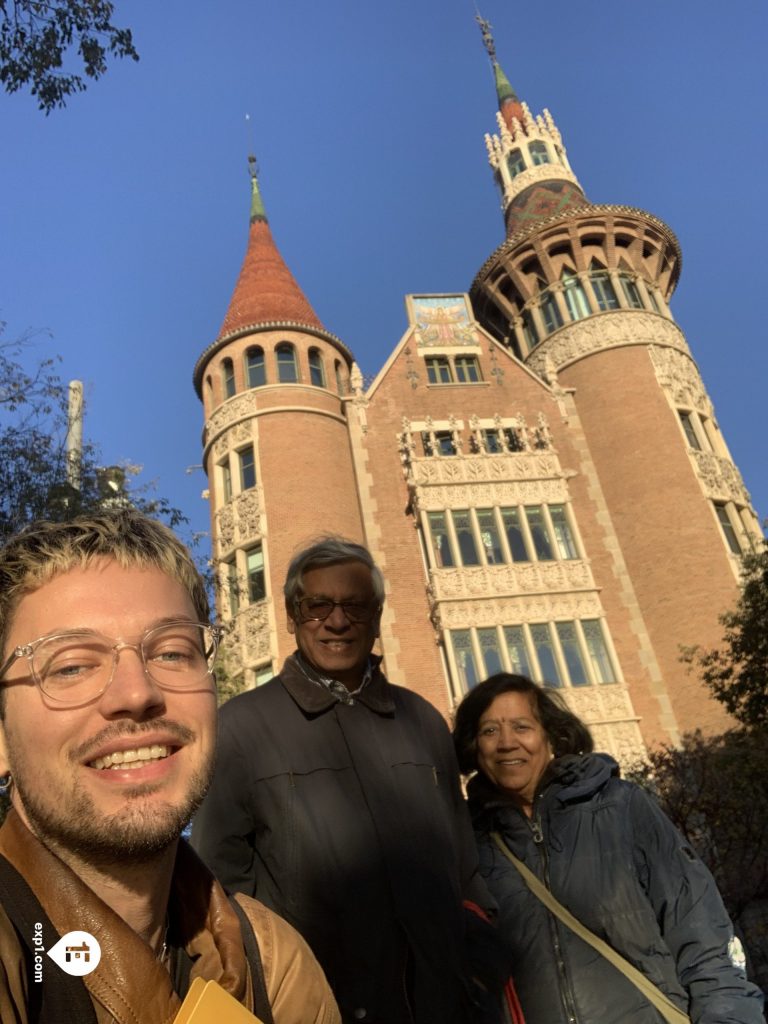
566 992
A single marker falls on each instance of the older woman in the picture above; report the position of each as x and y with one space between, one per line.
606 852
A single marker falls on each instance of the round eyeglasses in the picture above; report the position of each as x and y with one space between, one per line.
317 609
77 666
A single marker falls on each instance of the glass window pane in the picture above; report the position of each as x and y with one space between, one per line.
286 364
598 652
264 675
575 297
441 544
247 469
631 292
445 443
463 527
254 365
569 642
438 370
690 432
316 371
489 646
545 652
727 528
565 543
467 369
604 290
492 442
515 163
511 519
541 541
517 651
255 564
529 330
539 153
550 311
226 480
228 374
461 642
489 535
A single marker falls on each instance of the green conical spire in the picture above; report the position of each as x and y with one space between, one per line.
504 90
257 203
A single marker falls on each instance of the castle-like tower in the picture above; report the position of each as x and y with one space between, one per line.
537 468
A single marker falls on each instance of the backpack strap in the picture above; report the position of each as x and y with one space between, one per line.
261 1004
61 997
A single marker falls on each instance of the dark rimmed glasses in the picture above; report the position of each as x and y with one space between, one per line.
317 609
76 666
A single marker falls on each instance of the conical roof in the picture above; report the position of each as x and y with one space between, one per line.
266 290
509 104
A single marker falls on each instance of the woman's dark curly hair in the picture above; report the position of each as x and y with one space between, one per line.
566 733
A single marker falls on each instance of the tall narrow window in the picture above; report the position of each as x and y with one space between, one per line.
539 153
575 297
727 527
439 370
529 330
515 163
339 377
441 544
550 310
563 536
254 367
316 368
517 651
511 519
287 371
652 296
569 644
461 641
690 431
541 541
545 652
492 442
233 589
467 369
226 480
247 468
489 648
514 440
489 535
599 657
631 291
603 288
228 377
465 537
444 443
255 567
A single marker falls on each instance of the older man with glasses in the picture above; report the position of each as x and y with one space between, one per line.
336 802
107 738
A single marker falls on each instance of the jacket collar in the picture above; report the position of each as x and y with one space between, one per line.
314 698
129 981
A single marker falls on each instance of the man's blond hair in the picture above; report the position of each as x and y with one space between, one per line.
44 550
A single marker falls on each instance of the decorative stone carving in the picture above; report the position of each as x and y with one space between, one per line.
500 580
605 330
255 622
484 495
516 610
720 478
428 472
248 515
226 528
220 448
233 410
241 432
679 376
533 175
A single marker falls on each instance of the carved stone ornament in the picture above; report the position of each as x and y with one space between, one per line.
720 479
534 175
501 581
255 622
220 448
501 493
225 528
235 409
513 611
248 515
428 472
605 330
680 378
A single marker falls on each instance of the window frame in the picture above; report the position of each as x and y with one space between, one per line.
285 348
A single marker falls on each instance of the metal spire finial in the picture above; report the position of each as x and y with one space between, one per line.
488 43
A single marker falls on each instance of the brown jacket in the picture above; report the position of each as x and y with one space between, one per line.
129 986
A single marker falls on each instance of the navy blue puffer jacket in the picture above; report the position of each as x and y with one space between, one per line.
617 863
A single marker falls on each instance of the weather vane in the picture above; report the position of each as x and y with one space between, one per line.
485 28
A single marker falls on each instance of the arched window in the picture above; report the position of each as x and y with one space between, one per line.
550 311
575 297
515 163
228 377
602 286
255 370
316 368
539 153
287 371
631 291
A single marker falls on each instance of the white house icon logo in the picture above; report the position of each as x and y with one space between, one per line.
76 953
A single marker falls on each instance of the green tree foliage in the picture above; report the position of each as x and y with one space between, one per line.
37 36
34 468
715 790
737 670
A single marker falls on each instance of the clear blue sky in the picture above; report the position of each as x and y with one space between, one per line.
124 217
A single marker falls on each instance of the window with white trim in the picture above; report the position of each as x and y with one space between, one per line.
247 463
254 563
727 525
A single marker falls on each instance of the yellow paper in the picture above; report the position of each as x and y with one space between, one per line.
208 1003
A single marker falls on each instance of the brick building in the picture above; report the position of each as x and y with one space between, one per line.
537 468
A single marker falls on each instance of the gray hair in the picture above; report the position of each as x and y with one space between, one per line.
329 550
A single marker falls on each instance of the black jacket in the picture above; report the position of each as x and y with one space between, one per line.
617 863
348 820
